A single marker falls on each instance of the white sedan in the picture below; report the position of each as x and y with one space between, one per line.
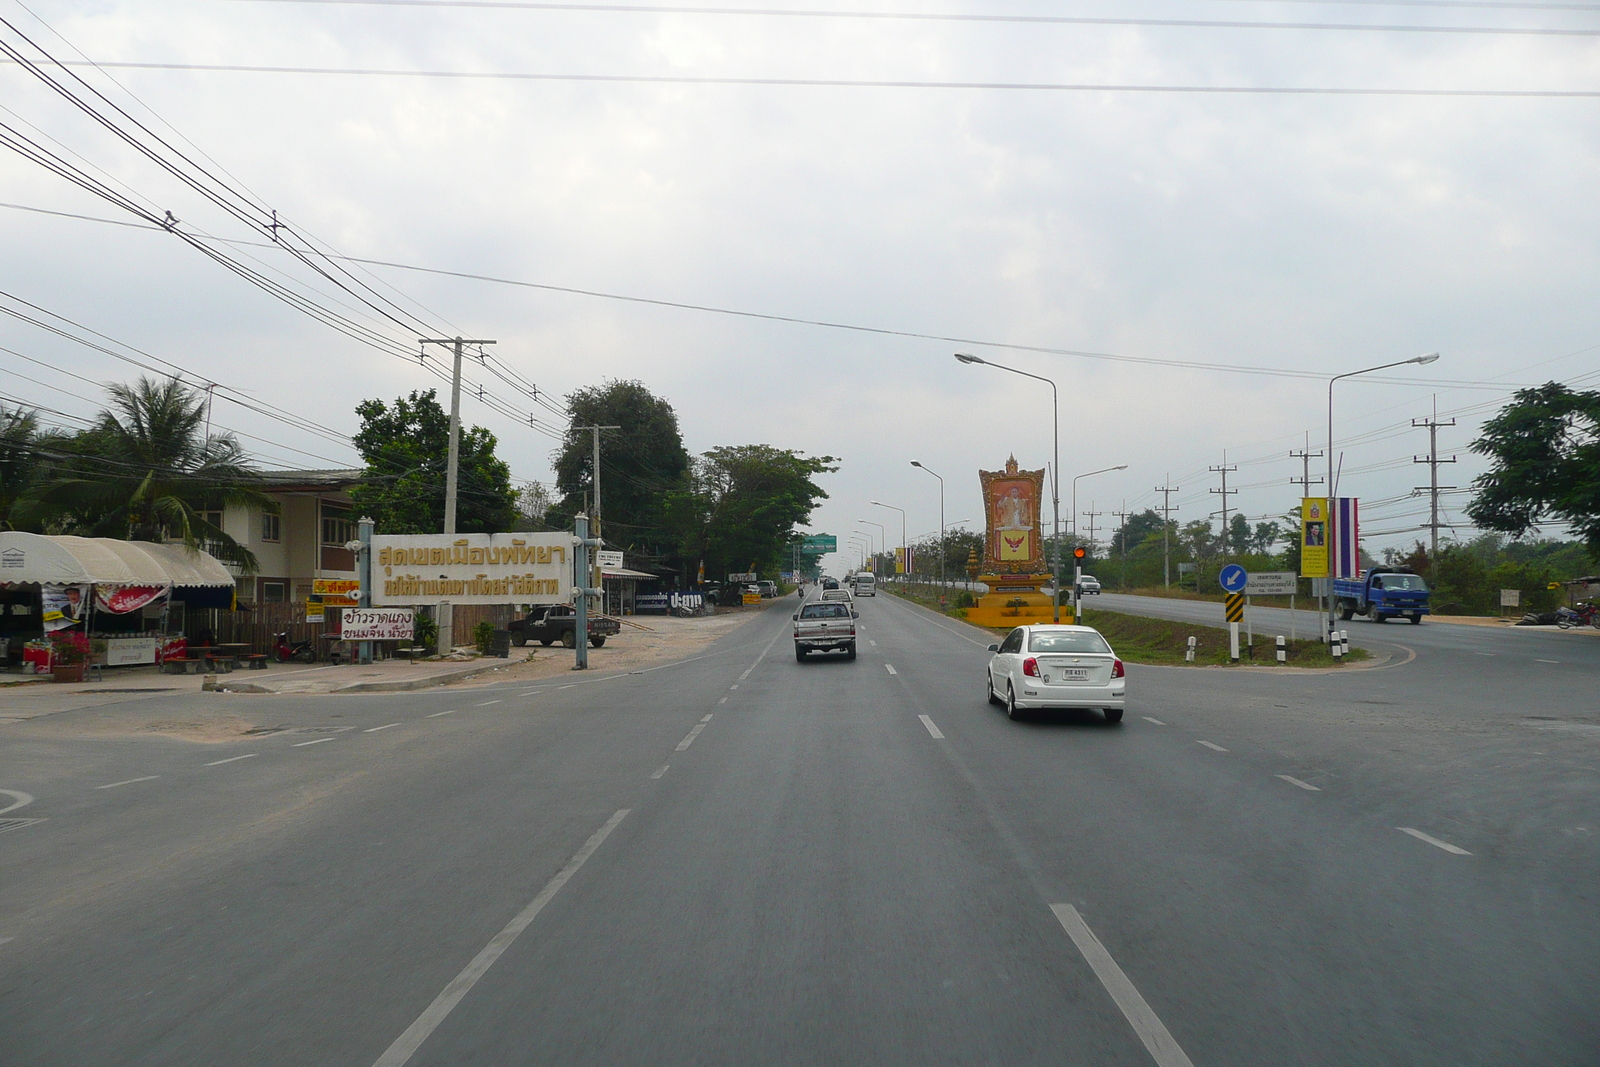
1056 667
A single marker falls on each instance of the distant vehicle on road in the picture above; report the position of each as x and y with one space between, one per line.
769 589
830 583
1050 666
824 627
866 585
1385 593
559 622
1089 585
836 595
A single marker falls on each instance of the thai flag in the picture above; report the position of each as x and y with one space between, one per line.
1345 546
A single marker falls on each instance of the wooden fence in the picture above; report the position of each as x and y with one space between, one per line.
257 624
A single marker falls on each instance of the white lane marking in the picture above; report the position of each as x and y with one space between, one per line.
890 668
130 781
573 685
661 771
406 1045
1434 841
231 759
706 719
724 700
3 940
1208 744
871 642
1307 786
436 714
1486 653
1547 661
1157 1039
734 686
689 740
375 729
932 729
746 673
486 703
303 744
1147 718
18 800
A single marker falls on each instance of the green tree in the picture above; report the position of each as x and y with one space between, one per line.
146 471
1545 447
19 455
639 464
406 447
1240 536
1135 529
738 507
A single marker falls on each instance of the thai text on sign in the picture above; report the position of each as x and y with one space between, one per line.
377 624
503 568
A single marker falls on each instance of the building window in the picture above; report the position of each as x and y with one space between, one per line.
271 524
212 517
273 592
337 527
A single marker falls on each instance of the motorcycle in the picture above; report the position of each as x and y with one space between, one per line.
299 651
1585 614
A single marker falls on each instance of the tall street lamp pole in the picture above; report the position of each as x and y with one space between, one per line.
883 537
902 511
919 466
1055 468
1332 489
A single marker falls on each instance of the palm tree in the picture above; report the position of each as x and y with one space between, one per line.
147 471
19 455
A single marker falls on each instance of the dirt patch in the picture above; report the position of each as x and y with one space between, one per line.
202 727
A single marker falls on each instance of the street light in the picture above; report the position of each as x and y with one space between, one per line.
883 538
919 466
902 511
1426 358
1089 474
1055 468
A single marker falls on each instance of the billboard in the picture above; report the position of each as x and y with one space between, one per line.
501 568
1011 500
1314 537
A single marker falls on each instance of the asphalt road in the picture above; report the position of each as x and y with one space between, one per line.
741 859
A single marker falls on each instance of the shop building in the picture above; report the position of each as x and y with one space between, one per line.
297 539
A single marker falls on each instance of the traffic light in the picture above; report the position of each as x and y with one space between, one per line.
1079 553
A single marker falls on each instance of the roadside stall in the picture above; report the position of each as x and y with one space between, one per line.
120 601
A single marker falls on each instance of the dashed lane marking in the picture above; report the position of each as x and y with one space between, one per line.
303 744
1454 850
436 714
1147 718
661 770
1307 786
234 759
932 729
706 719
1214 748
571 686
724 700
734 686
130 781
890 668
689 740
486 703
375 729
1547 661
871 642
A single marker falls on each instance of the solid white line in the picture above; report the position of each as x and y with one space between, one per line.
375 729
662 771
436 714
406 1045
890 668
1447 846
932 729
574 684
706 719
1307 786
1208 744
1486 653
486 703
130 781
231 759
1157 1039
689 740
1547 661
1147 718
303 744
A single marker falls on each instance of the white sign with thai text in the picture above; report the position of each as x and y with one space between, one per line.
377 624
502 568
1271 583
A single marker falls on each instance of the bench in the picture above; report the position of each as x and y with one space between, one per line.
256 662
182 665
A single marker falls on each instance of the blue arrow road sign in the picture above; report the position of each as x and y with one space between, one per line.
1233 578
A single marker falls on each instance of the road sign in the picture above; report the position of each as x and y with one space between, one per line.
1235 607
1233 578
612 559
1511 598
820 543
1271 583
743 576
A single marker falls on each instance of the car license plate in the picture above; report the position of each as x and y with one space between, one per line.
1071 674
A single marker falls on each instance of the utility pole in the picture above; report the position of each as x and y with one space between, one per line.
1122 532
1432 460
1305 456
1167 509
594 511
1225 493
452 474
1091 515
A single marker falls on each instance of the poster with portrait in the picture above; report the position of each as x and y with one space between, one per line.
1314 537
1012 499
64 605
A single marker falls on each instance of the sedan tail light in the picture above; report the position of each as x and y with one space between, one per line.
1030 667
1116 669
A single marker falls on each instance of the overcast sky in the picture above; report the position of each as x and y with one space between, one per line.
1295 233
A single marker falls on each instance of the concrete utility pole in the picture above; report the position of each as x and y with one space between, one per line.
452 474
1305 456
1225 493
1091 515
594 520
1122 532
1432 460
1167 509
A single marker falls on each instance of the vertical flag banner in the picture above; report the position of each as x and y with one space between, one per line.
899 561
1314 537
1345 547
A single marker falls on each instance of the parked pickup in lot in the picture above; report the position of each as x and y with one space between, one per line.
1381 595
558 622
825 626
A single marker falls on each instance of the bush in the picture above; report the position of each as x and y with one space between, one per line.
964 599
69 647
483 636
426 633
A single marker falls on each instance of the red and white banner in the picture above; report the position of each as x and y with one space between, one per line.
121 599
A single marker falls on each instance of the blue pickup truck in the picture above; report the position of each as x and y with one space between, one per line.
1383 594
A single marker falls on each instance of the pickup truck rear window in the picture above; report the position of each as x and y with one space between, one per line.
824 611
1412 582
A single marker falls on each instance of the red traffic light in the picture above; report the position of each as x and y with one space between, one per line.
1079 552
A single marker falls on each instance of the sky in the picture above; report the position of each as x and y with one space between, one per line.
1187 234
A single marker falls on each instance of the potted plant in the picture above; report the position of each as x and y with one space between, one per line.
69 652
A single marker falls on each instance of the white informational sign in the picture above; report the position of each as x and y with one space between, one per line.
742 576
126 651
377 624
1271 583
607 558
1511 598
502 568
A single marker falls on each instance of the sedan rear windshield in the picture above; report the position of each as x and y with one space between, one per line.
1067 641
824 611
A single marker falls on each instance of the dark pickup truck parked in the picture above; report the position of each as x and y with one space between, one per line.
558 622
1382 594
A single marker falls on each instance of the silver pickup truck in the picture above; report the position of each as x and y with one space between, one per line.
824 627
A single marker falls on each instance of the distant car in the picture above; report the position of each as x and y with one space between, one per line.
1089 585
866 585
830 583
824 628
1049 666
769 589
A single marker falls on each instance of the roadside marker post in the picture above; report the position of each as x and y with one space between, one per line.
1233 580
1283 650
1334 645
1344 642
1188 655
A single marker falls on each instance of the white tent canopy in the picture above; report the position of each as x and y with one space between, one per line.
38 559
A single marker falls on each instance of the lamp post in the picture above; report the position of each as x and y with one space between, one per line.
863 545
902 511
1087 474
1055 468
919 466
883 537
1428 357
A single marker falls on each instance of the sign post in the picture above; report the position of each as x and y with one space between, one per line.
1234 579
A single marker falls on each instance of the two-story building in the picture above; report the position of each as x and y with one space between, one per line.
300 537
